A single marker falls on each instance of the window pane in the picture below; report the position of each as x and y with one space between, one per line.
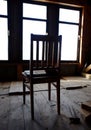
3 7
3 39
68 15
69 41
30 26
34 11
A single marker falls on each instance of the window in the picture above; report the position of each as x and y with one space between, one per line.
3 31
34 21
69 23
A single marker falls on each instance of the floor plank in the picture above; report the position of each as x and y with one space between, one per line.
16 117
4 112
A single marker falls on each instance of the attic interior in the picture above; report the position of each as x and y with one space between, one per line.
14 62
75 69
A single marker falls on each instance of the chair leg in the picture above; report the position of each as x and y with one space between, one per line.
49 91
32 101
23 91
58 97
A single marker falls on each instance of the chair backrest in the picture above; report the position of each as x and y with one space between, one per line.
45 52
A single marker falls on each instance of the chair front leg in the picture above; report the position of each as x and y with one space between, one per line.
32 101
24 90
58 96
49 91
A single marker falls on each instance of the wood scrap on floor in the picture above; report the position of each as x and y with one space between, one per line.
71 83
86 116
86 109
86 105
75 87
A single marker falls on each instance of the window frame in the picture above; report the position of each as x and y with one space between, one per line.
79 31
32 19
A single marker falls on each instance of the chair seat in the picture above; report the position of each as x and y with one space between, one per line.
41 76
40 73
35 72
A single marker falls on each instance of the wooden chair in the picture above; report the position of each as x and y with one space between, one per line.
44 66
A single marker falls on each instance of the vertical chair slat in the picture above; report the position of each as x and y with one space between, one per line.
46 53
52 54
37 53
59 54
31 57
42 60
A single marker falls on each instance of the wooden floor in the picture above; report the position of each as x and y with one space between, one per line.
16 116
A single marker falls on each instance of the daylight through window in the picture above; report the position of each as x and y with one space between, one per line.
69 28
32 23
3 31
